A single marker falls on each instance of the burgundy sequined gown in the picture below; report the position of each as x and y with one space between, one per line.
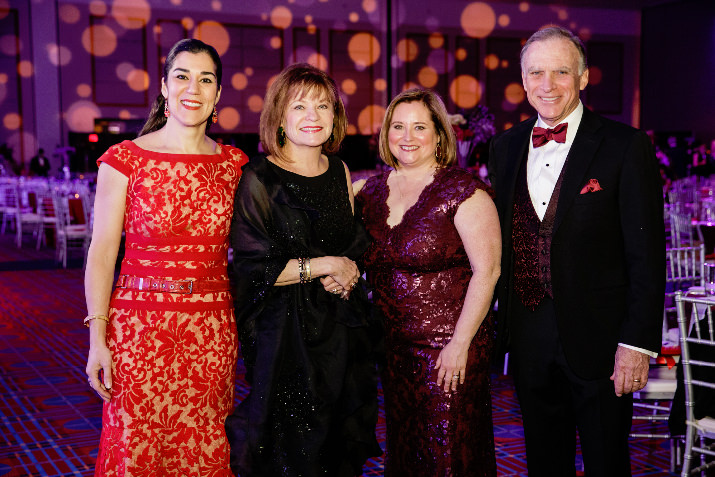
419 272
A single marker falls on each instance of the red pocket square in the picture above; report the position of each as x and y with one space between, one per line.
592 186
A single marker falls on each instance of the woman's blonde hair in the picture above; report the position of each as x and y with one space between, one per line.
447 142
297 81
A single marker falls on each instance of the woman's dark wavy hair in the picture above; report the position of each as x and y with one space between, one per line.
156 119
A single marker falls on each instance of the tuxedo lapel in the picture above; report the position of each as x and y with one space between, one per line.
517 153
581 155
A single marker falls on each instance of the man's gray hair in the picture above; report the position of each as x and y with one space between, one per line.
550 33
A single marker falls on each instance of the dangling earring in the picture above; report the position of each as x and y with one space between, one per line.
214 116
166 110
331 138
281 136
438 152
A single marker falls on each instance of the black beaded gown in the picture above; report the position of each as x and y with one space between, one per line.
419 272
309 355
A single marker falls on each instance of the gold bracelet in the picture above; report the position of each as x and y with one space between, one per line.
89 318
301 271
307 268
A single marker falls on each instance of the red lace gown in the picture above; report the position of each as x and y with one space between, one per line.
419 272
173 355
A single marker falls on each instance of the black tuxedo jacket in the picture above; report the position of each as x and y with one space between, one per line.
608 246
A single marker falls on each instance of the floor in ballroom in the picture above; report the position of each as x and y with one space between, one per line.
50 419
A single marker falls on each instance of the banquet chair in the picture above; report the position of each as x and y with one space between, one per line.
47 222
682 230
697 345
70 234
684 269
15 212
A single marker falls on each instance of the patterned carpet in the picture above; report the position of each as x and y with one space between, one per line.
50 419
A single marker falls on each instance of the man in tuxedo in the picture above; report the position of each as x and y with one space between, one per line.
583 270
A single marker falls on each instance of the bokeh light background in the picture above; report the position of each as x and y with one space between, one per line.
105 57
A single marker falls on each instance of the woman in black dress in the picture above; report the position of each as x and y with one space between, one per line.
302 315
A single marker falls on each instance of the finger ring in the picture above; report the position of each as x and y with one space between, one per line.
335 291
352 285
455 377
636 380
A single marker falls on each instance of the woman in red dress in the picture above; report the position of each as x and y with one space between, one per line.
163 344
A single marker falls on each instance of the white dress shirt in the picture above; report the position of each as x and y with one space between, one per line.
543 169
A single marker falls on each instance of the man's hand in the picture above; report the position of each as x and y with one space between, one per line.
630 371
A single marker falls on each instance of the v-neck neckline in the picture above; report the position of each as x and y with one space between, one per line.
420 199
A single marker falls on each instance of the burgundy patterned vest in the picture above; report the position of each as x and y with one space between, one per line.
531 240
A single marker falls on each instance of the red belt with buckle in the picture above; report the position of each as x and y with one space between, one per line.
183 287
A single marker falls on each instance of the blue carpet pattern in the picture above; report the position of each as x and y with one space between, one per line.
50 419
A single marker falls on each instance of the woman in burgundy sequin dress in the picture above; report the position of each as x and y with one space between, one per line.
433 265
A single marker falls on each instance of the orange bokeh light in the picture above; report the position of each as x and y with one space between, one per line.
309 19
138 80
427 77
214 34
318 60
229 118
25 69
369 6
248 71
68 13
352 130
364 49
124 114
504 63
188 23
460 54
276 42
312 29
353 17
504 20
12 121
491 61
465 91
407 50
595 75
514 93
239 81
97 8
216 5
3 78
58 55
281 17
131 14
563 14
84 90
80 116
370 119
380 84
99 40
524 7
255 103
349 86
478 20
436 40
